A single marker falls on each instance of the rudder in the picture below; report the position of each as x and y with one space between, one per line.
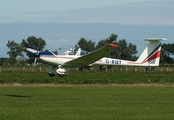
151 54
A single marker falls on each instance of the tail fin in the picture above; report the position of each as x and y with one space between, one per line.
151 54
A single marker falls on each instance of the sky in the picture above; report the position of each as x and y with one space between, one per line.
64 22
110 11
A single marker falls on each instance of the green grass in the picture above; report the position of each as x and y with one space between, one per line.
117 75
33 95
86 102
89 78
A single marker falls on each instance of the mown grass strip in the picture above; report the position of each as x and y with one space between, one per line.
94 102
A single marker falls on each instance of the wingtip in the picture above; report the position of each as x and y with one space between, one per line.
113 45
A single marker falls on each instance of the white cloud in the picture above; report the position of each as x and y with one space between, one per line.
78 11
56 41
61 43
139 13
129 12
63 40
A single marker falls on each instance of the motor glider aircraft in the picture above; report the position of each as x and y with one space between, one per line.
78 58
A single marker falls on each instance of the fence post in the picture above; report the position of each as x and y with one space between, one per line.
121 69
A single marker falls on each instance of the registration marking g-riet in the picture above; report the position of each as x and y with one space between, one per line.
113 61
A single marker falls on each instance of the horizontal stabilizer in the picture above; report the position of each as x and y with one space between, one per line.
154 39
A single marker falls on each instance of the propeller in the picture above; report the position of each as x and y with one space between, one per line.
35 60
36 55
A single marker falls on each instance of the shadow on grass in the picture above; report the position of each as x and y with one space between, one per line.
17 96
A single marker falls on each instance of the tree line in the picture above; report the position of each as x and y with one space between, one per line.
167 53
126 51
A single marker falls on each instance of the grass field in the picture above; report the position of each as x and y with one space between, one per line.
89 95
86 102
89 78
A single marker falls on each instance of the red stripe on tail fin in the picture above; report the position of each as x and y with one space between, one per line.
156 55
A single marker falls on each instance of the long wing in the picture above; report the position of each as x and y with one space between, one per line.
93 56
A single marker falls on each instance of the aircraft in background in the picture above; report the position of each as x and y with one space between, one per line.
79 58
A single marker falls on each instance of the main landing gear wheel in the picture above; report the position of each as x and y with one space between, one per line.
51 72
61 75
51 75
147 70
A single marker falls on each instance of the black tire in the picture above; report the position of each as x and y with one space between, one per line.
147 70
61 75
51 75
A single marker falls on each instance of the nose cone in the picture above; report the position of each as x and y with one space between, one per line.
37 54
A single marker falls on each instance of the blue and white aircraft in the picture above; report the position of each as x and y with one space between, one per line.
77 58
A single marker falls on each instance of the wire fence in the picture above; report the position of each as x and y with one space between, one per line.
40 69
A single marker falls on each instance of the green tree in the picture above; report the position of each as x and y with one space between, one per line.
167 52
3 61
34 43
87 45
111 39
125 51
15 51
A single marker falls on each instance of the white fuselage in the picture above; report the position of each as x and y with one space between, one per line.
58 59
62 59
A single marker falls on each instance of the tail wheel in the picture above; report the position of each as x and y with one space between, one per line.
147 70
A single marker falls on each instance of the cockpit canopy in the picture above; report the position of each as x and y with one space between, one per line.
76 51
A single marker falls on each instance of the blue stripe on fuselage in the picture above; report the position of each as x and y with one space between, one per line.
47 54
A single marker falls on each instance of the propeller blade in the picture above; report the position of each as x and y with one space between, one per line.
31 50
37 54
35 60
